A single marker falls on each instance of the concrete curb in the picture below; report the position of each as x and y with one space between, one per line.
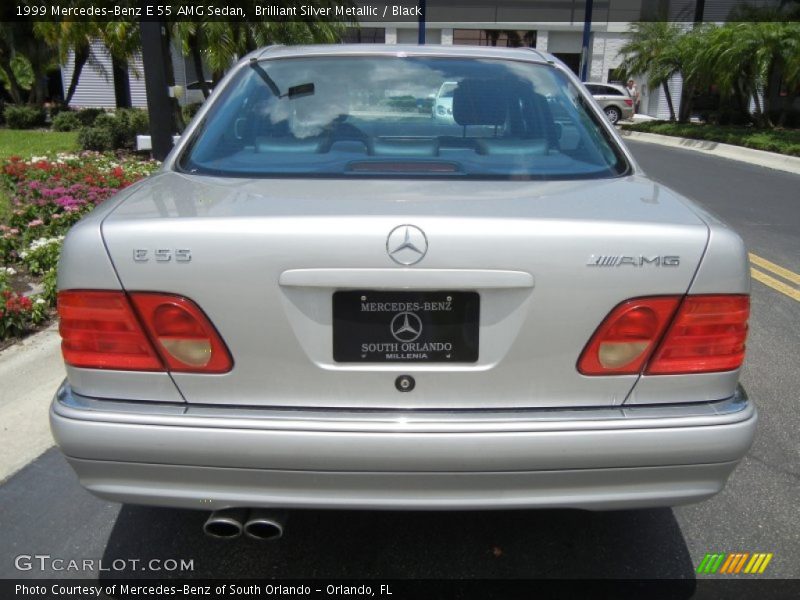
770 160
30 373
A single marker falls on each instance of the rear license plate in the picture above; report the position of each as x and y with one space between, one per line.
427 327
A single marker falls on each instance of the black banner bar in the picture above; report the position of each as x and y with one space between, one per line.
392 11
394 589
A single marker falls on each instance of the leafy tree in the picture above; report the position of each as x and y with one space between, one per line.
217 44
696 66
75 36
751 59
652 50
748 60
18 45
121 38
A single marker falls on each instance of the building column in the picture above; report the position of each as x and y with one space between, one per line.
447 36
541 41
597 57
391 35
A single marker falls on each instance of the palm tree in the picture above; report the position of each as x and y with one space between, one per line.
8 35
217 45
191 35
17 40
121 38
71 36
652 50
791 66
696 66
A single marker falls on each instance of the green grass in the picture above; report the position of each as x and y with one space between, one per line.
35 142
782 141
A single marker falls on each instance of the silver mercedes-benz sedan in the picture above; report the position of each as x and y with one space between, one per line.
327 298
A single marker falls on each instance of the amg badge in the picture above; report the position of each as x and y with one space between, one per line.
641 260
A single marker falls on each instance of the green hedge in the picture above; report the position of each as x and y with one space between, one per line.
782 141
24 117
114 131
66 121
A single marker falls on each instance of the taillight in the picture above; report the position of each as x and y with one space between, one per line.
138 332
184 336
627 336
100 330
707 335
629 101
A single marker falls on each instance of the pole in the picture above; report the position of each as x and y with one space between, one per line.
699 11
421 23
587 31
155 51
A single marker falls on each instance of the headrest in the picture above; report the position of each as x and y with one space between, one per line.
480 102
515 147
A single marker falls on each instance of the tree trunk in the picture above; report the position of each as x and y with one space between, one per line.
743 101
788 104
122 82
38 89
197 58
687 100
773 89
669 101
81 57
773 75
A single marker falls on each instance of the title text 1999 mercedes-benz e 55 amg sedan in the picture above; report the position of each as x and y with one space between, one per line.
328 298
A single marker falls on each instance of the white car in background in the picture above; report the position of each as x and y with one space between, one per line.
443 103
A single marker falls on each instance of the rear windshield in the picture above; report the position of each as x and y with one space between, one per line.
359 116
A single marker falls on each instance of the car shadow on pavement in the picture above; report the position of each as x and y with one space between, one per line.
640 544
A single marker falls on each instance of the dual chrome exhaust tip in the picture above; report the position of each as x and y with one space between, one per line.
256 523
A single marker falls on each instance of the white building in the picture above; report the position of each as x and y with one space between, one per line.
555 26
96 86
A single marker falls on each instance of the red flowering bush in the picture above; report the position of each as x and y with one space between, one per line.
49 195
18 313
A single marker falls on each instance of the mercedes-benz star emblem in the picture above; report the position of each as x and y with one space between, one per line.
406 244
406 327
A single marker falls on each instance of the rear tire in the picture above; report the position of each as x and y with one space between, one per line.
614 114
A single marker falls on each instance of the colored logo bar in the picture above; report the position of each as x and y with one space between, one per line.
734 563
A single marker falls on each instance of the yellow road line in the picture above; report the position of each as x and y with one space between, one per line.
776 285
775 269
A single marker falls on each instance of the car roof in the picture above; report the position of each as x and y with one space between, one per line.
529 54
613 85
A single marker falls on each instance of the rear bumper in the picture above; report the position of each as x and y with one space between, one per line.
209 457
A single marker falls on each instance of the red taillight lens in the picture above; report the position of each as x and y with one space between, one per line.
100 330
184 336
707 335
138 332
629 101
627 336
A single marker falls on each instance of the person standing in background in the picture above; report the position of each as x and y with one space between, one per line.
633 90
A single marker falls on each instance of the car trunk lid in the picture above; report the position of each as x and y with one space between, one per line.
546 261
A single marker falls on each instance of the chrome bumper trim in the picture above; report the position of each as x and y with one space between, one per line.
71 405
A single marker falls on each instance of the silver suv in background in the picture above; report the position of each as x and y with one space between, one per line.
615 100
